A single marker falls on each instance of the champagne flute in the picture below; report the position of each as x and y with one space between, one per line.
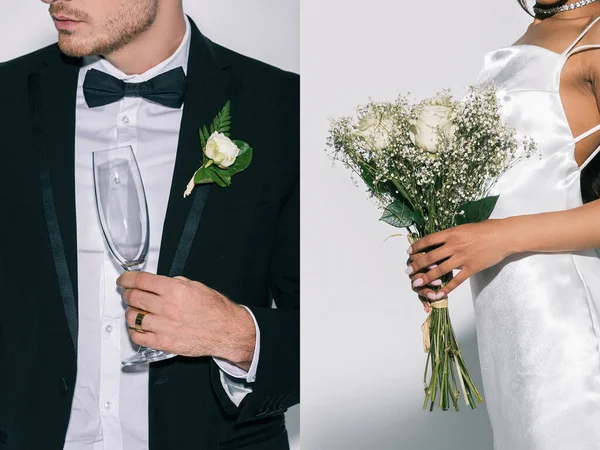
123 212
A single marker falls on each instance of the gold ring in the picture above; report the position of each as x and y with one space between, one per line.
138 322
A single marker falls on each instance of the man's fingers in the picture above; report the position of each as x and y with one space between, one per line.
143 339
144 281
179 277
145 301
131 315
150 322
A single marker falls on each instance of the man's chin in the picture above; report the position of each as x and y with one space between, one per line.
71 47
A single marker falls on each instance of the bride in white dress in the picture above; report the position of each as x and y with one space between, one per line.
533 266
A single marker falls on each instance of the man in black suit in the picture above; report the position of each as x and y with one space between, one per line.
225 252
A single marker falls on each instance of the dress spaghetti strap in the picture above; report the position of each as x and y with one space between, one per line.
567 52
587 133
589 158
571 50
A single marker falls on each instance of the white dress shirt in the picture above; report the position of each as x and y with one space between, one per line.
110 404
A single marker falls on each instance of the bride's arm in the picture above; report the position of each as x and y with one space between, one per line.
571 229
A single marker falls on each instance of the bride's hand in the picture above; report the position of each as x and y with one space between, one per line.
424 290
470 248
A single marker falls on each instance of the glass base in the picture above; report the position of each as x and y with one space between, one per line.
147 355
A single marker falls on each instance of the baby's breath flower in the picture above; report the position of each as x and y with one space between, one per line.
466 166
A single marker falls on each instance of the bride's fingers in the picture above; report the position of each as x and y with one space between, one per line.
425 302
433 266
454 283
423 279
436 256
424 270
425 293
437 282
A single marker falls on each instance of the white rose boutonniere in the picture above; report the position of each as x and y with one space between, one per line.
376 130
432 119
223 157
221 150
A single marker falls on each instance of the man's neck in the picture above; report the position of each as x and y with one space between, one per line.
152 47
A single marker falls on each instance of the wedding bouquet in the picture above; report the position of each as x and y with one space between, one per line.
430 166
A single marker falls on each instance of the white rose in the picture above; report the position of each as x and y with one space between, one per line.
375 130
221 150
424 132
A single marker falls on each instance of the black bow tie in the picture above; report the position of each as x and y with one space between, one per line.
168 89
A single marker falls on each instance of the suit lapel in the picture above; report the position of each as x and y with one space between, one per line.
53 93
206 94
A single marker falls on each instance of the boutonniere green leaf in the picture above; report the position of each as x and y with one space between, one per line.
222 157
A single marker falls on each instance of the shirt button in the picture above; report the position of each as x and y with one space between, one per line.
108 329
125 120
108 405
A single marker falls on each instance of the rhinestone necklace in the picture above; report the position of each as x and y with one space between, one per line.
549 12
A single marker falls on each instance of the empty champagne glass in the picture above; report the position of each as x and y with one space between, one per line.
123 212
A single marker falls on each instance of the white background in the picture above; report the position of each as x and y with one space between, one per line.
263 29
362 353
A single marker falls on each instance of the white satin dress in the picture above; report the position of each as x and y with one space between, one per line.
537 315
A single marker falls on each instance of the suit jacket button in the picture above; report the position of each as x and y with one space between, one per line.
64 387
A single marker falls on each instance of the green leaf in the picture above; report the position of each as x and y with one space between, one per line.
243 159
220 177
366 176
477 211
379 188
418 218
206 135
202 176
212 174
398 214
202 140
217 178
222 122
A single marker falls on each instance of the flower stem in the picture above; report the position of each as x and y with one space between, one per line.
445 357
462 383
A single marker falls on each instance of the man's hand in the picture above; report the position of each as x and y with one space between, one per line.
187 318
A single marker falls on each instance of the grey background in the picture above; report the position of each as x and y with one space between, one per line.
268 30
362 353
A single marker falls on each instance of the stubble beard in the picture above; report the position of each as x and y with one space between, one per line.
118 30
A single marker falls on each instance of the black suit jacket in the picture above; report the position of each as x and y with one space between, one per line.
242 241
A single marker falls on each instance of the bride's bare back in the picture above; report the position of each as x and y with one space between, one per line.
580 78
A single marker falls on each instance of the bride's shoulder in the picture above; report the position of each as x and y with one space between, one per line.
523 39
593 35
590 59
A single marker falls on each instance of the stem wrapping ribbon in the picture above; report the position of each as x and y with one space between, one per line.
425 327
